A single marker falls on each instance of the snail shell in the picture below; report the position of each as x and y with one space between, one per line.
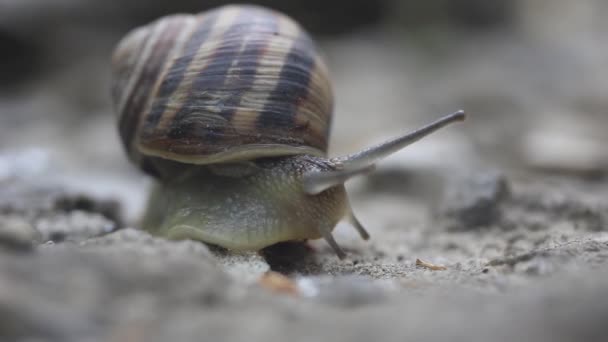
231 84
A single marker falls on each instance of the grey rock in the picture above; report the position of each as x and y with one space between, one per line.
16 233
72 226
474 201
110 209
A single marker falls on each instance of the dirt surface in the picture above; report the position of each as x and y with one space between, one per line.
536 272
513 203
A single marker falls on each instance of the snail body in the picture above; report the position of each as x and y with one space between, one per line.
247 212
231 111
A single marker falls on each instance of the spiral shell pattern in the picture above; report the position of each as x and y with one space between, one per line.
233 83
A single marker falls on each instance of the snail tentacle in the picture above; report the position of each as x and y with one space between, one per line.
317 181
363 162
372 154
354 221
326 234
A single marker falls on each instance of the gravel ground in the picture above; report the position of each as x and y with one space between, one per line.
538 273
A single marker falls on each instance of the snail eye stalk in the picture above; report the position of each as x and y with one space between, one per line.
363 162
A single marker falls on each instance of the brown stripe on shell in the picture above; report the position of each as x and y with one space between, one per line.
177 68
160 42
125 63
176 87
138 48
212 91
188 24
278 118
232 76
321 89
128 61
267 75
318 107
199 128
206 108
313 114
244 69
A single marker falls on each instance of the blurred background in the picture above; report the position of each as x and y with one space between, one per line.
532 74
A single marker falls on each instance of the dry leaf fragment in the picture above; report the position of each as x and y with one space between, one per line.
277 282
430 266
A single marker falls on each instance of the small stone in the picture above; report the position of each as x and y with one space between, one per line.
18 234
475 201
73 226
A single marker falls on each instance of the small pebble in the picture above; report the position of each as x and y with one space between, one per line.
73 226
474 201
17 234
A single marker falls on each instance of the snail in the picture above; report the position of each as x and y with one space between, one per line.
231 111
